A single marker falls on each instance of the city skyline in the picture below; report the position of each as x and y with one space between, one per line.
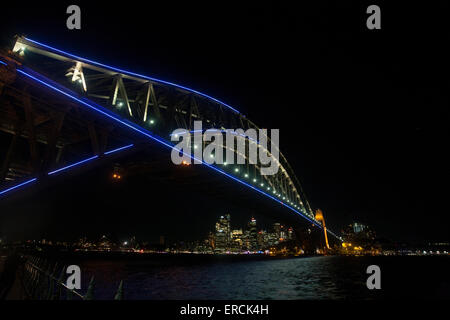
154 237
358 239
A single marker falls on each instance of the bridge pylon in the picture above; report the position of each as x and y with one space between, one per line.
319 217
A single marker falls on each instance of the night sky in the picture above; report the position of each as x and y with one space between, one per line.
363 115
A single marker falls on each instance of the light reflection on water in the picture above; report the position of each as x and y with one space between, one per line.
290 278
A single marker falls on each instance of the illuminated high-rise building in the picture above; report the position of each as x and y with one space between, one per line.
283 233
223 234
253 240
277 230
358 233
358 227
290 234
237 240
261 237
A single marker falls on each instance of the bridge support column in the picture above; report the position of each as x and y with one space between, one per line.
319 217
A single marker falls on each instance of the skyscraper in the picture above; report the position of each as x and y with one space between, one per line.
223 234
237 239
253 235
277 229
290 234
283 233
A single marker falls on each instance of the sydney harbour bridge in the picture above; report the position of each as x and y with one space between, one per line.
60 112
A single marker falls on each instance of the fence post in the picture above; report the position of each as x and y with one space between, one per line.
57 295
52 282
119 294
34 284
48 282
90 291
26 275
43 279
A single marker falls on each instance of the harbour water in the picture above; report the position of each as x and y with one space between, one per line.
318 277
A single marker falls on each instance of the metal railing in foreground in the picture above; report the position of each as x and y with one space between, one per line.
43 280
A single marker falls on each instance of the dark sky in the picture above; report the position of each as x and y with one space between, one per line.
363 115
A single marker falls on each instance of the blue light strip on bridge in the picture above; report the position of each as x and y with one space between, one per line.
89 159
17 186
133 126
72 165
3 63
65 168
133 74
119 149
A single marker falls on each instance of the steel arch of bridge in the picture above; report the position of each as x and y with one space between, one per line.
154 108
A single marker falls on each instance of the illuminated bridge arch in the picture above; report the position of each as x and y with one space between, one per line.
149 106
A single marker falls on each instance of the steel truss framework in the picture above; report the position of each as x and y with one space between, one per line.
40 135
154 105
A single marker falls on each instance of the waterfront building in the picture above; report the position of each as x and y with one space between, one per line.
283 233
253 242
277 229
223 234
290 234
261 236
237 239
358 232
104 244
226 240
